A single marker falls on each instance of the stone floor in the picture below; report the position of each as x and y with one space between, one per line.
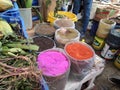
101 82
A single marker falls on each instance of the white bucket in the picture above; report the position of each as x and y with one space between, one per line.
27 17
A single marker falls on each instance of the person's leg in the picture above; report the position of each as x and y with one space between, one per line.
87 4
76 6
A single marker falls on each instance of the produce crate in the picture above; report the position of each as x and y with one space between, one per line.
12 16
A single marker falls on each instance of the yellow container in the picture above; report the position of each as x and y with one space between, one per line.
69 15
98 43
117 62
1 35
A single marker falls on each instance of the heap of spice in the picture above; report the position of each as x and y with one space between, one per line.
79 51
44 29
67 33
64 23
53 63
43 43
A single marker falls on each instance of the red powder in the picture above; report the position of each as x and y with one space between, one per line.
79 51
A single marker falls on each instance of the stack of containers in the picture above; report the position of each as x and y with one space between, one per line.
112 44
65 32
56 63
103 30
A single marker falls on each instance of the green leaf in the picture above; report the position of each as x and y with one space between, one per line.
28 3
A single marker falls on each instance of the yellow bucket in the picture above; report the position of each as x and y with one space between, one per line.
69 15
117 62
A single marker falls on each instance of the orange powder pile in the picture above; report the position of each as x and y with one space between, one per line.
79 51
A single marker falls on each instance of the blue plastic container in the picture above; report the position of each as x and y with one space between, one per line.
15 8
35 3
34 18
12 16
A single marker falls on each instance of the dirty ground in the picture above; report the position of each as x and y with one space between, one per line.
101 82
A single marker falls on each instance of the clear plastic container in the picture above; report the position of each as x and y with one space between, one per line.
88 81
55 81
80 68
62 41
27 17
64 23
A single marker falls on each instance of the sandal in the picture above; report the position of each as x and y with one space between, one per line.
114 79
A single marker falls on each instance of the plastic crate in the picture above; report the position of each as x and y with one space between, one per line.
12 16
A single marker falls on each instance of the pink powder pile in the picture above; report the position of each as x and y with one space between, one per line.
52 63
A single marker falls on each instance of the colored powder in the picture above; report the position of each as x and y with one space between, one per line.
53 63
79 51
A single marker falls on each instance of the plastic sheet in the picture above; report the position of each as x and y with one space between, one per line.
73 84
